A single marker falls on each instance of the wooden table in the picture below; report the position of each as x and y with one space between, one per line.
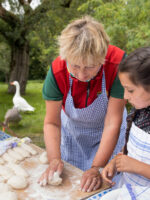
68 190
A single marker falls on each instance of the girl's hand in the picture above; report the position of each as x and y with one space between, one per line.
125 163
109 171
56 165
91 180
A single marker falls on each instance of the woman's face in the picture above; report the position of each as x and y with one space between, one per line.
135 94
83 72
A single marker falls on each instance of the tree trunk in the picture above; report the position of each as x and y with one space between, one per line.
19 67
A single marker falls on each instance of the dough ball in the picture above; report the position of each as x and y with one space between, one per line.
2 179
15 155
43 158
8 196
55 180
4 187
18 182
21 151
18 170
1 161
29 149
5 172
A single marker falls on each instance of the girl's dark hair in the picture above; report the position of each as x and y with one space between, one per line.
137 64
130 118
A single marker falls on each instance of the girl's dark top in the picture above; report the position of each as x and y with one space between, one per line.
141 118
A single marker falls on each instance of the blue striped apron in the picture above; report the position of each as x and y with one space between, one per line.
138 148
127 192
133 186
81 130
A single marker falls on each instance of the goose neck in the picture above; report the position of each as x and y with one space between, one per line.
17 90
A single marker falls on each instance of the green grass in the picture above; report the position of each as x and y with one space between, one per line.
31 124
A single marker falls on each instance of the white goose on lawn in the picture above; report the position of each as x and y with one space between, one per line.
19 102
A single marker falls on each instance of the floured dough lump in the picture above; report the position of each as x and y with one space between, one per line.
55 180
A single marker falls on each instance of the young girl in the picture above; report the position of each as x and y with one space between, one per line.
134 162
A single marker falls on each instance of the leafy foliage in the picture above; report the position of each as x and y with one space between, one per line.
4 61
126 21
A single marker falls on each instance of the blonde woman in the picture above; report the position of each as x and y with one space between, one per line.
85 114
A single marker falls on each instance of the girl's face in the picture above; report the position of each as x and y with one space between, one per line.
83 72
135 94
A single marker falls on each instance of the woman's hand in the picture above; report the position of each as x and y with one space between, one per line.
91 180
109 172
56 165
125 163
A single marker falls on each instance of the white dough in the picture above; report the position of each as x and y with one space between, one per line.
18 182
18 170
6 172
8 158
56 180
8 196
21 151
15 155
4 187
2 179
1 161
43 158
28 148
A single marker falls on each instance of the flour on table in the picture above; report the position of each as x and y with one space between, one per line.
50 192
18 182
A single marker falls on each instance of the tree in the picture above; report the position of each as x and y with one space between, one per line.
125 21
20 21
15 26
4 60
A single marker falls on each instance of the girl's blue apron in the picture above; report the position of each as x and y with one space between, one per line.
138 148
81 130
133 186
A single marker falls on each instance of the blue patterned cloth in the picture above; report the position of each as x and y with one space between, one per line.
138 148
128 192
99 195
4 136
4 143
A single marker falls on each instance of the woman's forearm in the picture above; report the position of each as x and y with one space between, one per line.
107 145
111 131
52 141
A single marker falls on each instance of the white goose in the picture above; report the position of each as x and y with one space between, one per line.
20 103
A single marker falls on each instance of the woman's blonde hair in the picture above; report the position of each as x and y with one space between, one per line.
84 39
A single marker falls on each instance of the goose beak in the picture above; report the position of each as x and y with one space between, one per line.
11 83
